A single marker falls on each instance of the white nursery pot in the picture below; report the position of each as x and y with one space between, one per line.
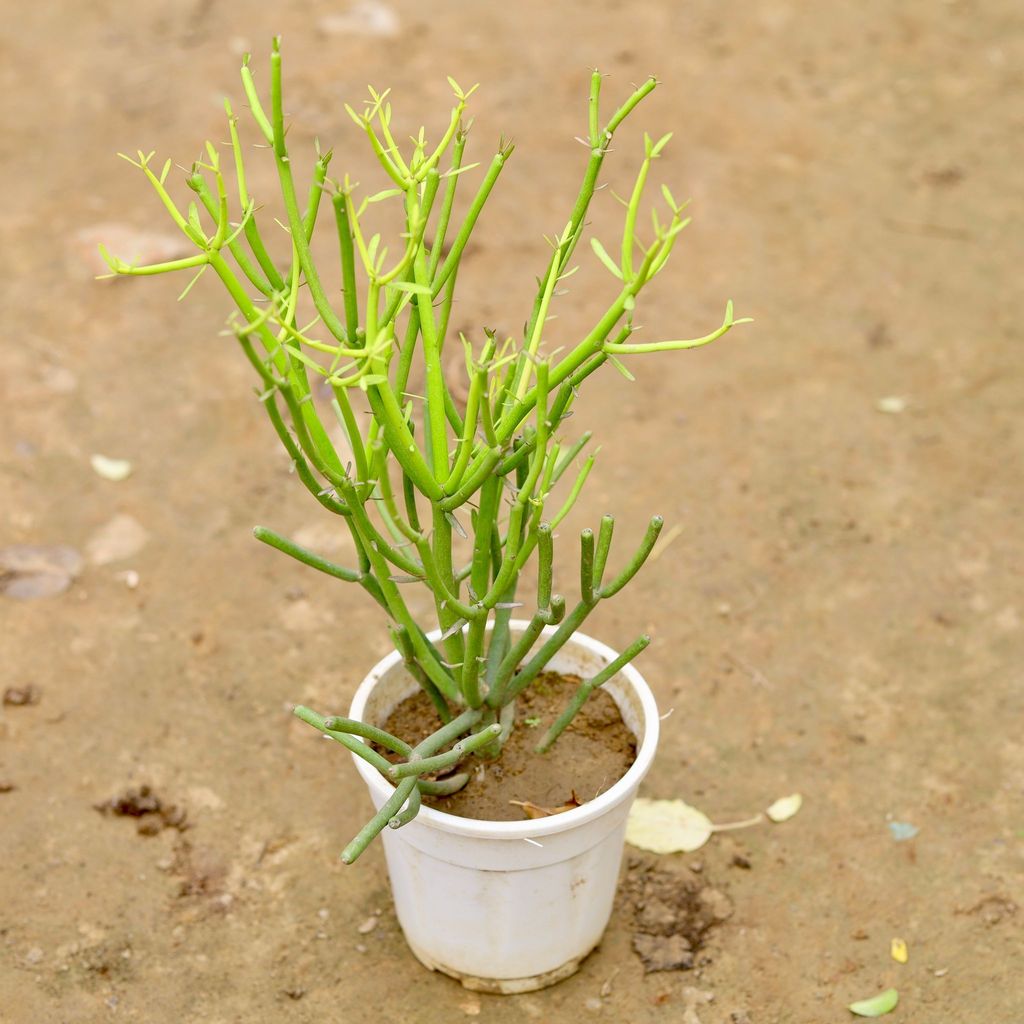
510 906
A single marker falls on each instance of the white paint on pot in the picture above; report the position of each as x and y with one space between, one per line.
510 906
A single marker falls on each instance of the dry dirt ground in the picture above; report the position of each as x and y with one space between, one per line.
840 613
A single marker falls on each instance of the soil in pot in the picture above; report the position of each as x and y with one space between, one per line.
593 753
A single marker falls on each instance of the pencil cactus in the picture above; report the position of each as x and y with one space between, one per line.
451 495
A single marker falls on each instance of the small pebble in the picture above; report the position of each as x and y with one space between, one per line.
891 404
110 469
368 925
593 1004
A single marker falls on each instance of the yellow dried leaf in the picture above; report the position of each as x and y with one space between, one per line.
667 826
899 951
785 807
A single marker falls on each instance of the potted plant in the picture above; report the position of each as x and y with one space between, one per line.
452 492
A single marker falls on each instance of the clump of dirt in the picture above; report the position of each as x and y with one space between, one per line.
152 813
201 873
21 696
673 912
593 753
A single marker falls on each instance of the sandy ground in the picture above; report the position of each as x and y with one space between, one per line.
840 614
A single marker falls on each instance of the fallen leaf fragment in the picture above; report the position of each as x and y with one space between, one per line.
532 810
785 807
876 1006
110 469
667 826
898 950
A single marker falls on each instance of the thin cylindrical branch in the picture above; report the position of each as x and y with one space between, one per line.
304 555
411 809
381 737
448 733
586 689
455 253
438 762
379 821
443 787
587 567
403 644
357 747
348 265
554 643
551 615
634 564
604 545
545 562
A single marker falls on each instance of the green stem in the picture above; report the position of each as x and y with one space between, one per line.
438 762
586 689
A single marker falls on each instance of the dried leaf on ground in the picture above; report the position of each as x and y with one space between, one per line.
532 810
876 1006
667 826
785 807
34 570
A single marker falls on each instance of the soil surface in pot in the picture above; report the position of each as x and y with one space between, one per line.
594 752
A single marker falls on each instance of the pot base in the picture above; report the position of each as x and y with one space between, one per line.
503 986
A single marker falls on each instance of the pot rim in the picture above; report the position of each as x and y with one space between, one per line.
620 790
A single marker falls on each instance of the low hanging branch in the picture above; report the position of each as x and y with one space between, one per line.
431 483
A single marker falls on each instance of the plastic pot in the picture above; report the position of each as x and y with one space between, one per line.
510 906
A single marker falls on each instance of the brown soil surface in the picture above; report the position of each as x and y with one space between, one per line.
593 753
836 606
